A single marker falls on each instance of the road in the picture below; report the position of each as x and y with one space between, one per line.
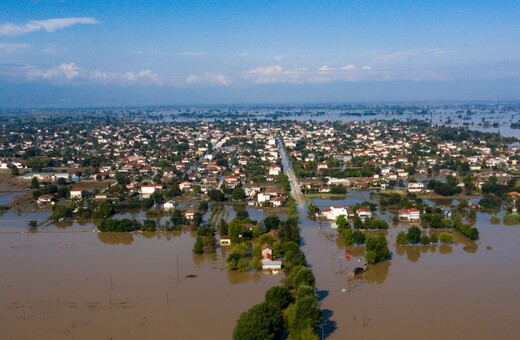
296 191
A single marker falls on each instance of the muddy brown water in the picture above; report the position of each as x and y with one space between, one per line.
83 285
468 290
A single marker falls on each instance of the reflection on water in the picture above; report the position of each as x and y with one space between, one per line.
378 273
116 238
132 290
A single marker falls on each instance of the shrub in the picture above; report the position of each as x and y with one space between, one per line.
425 240
446 238
401 238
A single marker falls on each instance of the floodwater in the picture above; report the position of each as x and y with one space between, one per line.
70 282
85 285
459 291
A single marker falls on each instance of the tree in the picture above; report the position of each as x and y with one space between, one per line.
377 249
261 322
342 223
216 195
235 230
271 222
414 235
401 238
35 183
301 276
14 170
306 313
278 297
358 237
446 238
425 240
60 211
238 194
198 247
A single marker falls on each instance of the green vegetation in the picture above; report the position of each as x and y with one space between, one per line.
490 203
124 225
449 188
413 235
495 219
401 238
465 229
377 249
445 238
511 219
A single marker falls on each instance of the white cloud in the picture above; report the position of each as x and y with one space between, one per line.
191 79
50 25
275 74
366 67
69 72
279 57
146 75
63 71
208 78
13 47
195 54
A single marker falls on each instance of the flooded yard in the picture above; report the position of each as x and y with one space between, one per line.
86 285
459 291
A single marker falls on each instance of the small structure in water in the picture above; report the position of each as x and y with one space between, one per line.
358 271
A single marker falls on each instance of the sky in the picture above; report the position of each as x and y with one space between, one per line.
121 53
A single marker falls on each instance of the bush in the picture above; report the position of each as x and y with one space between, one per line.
434 238
358 237
446 238
511 219
425 240
495 219
401 238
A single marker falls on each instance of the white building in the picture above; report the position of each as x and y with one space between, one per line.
334 212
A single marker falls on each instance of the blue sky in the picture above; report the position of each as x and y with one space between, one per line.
97 53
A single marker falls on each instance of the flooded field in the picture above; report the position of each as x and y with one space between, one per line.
85 285
459 291
66 281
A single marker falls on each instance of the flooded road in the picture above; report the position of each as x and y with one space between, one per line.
459 291
84 285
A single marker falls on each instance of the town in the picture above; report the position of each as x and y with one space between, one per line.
242 184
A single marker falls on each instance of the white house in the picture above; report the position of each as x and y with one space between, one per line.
150 189
261 198
76 193
415 187
275 170
334 212
364 213
410 215
170 205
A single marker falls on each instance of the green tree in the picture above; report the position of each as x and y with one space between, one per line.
216 195
358 237
446 238
271 222
414 235
35 183
401 238
261 322
238 194
235 230
306 313
278 297
377 249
